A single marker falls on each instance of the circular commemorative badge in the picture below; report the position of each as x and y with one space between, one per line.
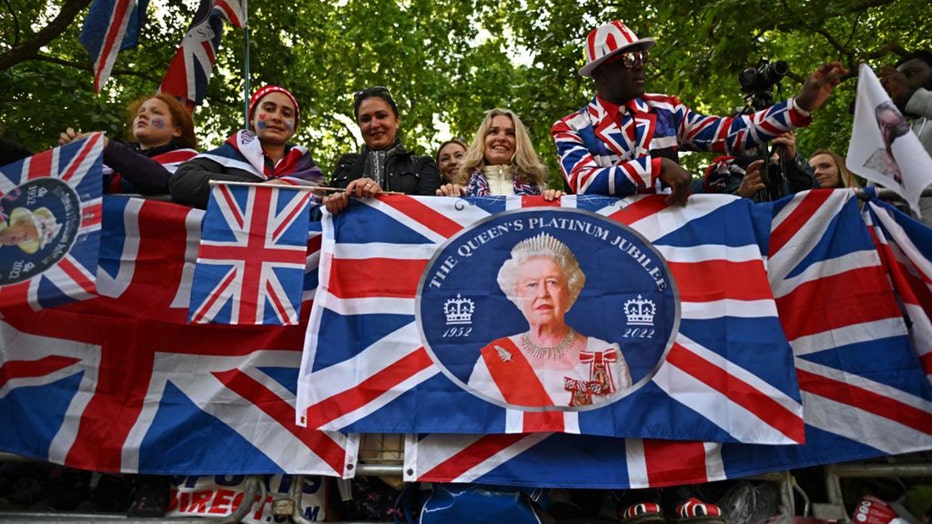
39 222
548 309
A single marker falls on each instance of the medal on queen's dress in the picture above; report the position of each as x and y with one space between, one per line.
582 391
600 380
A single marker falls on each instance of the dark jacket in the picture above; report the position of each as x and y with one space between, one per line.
146 172
190 186
405 172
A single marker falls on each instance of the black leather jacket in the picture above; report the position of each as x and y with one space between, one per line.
405 172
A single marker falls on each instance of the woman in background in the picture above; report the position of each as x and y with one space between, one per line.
830 170
449 156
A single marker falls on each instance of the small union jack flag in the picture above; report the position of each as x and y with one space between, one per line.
50 215
250 266
193 64
110 27
233 10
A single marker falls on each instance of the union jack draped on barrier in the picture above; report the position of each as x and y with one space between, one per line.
123 383
905 247
50 225
863 390
392 268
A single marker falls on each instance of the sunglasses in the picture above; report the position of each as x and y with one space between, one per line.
372 91
631 59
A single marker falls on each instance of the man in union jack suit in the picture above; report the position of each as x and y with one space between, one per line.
625 140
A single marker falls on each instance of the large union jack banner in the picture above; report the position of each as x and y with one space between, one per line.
121 382
863 389
377 356
50 216
250 266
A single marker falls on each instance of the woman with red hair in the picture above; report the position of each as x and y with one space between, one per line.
160 138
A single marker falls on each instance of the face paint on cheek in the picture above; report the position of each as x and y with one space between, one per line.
157 122
289 124
261 123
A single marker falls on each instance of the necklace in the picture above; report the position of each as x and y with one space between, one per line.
554 352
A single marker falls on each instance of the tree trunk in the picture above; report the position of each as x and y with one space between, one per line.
30 49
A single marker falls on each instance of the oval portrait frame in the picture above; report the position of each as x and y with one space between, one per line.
59 205
459 274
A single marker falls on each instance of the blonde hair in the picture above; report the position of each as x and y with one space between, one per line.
845 177
529 169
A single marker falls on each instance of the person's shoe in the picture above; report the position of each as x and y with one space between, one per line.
151 499
643 513
694 511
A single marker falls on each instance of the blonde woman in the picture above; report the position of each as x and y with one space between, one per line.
500 161
830 170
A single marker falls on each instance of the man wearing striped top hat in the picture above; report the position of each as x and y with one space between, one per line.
626 140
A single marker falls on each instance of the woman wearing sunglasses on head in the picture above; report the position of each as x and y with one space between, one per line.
383 164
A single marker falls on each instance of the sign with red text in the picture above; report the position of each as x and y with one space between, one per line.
221 495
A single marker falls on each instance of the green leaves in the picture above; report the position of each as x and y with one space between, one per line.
448 61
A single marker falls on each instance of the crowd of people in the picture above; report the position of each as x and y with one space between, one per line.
625 141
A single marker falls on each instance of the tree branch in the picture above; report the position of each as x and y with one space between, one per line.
30 48
87 67
15 23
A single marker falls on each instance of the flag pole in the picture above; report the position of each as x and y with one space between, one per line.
246 64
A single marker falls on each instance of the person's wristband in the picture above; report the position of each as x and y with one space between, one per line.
799 109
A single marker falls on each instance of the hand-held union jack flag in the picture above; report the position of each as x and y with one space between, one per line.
50 217
110 27
250 266
193 64
234 11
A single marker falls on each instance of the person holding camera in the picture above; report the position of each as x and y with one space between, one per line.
625 141
747 175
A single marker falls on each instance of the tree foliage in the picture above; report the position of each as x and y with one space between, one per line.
445 61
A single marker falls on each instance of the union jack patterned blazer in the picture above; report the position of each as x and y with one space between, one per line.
598 156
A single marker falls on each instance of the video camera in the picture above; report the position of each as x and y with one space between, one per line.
757 84
763 76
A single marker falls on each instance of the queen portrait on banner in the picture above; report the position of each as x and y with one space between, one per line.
550 364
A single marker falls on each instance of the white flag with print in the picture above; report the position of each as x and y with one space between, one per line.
883 148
